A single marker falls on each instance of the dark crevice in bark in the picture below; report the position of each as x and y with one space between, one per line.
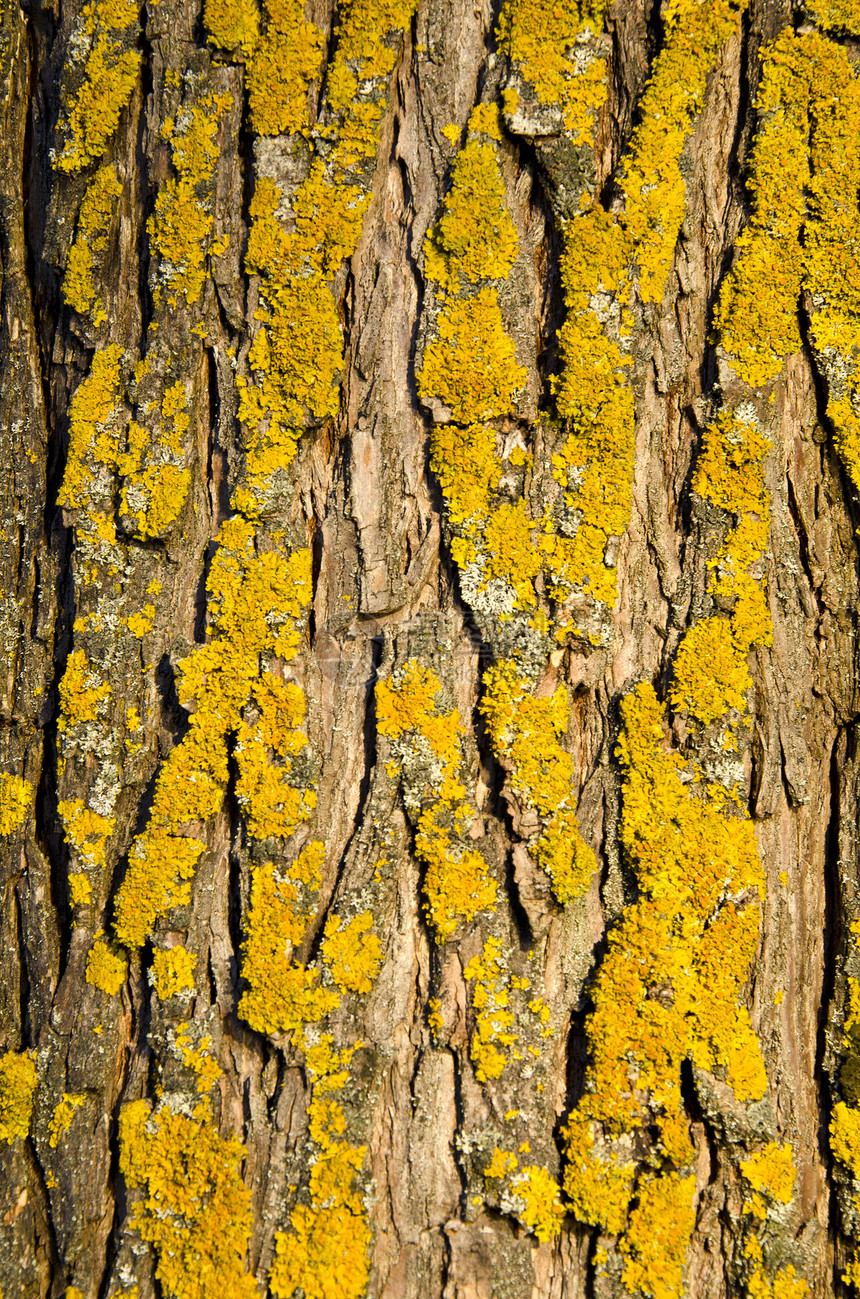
844 747
24 989
802 539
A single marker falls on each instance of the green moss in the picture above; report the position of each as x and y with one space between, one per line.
17 1085
91 115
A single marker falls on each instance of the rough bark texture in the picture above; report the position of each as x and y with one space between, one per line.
323 613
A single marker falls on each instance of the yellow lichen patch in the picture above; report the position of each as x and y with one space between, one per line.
17 1085
326 1250
493 1018
232 23
86 253
526 733
181 224
598 1188
805 229
668 988
532 1192
271 805
427 741
106 970
475 238
254 599
470 366
110 29
282 64
82 692
608 256
63 1115
464 460
282 995
711 675
845 1136
95 415
80 889
837 15
771 1174
352 952
16 799
655 1245
195 1209
296 355
198 1059
86 831
141 622
173 971
157 477
553 46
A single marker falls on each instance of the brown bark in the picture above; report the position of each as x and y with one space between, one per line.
386 590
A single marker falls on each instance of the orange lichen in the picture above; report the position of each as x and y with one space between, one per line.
352 952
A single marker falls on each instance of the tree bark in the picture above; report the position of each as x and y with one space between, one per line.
428 600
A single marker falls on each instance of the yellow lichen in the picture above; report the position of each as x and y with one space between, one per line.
493 1018
181 224
86 254
16 799
254 599
352 952
17 1084
457 883
195 1209
106 970
173 971
554 48
655 1245
325 1251
668 988
64 1113
110 29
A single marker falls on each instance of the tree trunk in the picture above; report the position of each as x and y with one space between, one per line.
428 597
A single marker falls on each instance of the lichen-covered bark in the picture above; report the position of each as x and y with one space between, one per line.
428 597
